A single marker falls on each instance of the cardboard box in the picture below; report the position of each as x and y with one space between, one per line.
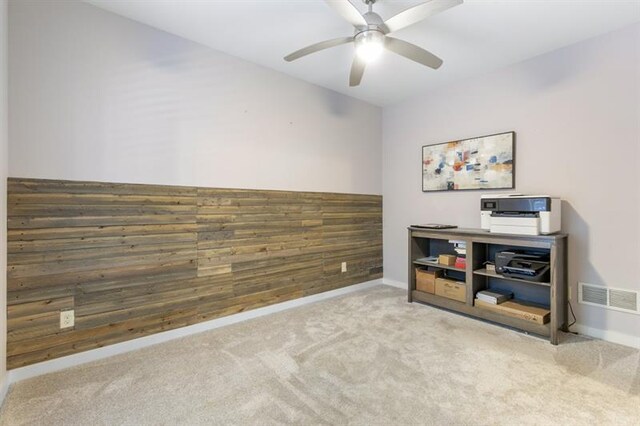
518 309
447 259
426 280
456 290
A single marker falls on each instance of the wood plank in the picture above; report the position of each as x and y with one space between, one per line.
22 222
25 271
25 186
18 248
38 307
88 210
19 199
98 253
105 274
179 278
19 296
128 296
98 231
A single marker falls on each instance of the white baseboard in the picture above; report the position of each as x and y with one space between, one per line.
57 364
608 335
394 283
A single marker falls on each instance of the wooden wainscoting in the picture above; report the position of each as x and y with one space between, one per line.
134 260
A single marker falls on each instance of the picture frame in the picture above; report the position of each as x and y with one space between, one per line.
479 163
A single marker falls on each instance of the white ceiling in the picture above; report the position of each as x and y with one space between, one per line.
473 38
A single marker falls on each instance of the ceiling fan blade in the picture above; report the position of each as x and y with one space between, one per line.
317 47
357 70
413 52
348 11
416 14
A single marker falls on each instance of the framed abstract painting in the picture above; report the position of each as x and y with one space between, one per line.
485 162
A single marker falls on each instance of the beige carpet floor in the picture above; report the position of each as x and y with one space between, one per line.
367 358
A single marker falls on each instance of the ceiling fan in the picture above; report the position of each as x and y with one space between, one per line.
371 35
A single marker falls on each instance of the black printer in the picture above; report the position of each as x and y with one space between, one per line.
526 265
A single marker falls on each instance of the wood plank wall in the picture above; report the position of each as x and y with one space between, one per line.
134 260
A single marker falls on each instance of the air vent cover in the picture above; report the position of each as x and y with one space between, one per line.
592 294
623 299
611 298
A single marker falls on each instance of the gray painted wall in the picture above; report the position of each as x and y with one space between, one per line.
95 96
4 165
576 112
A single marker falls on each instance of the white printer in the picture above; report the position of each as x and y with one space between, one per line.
520 214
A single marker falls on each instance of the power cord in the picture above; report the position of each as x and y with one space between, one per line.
574 318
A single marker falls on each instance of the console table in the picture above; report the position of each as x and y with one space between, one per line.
481 246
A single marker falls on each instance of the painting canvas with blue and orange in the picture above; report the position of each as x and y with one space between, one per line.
478 163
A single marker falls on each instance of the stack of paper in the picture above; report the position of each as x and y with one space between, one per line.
459 246
494 297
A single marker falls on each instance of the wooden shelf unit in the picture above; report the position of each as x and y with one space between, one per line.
481 247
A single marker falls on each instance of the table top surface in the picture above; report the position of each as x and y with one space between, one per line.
477 232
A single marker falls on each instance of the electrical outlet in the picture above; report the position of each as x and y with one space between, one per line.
67 318
344 267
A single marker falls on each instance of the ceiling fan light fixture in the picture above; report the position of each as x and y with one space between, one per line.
372 35
369 45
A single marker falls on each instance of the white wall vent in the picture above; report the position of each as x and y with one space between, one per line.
611 298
